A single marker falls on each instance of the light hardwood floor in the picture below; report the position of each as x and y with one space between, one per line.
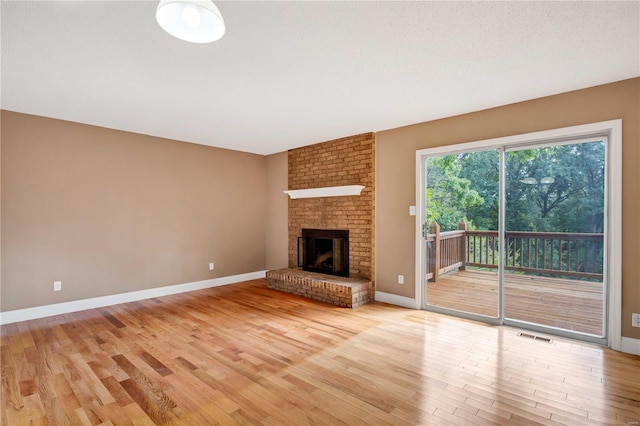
245 354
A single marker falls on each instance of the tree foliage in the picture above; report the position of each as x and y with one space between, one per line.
449 196
551 189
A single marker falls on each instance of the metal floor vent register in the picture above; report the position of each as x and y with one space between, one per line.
534 337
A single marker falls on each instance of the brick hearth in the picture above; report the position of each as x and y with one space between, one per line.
339 291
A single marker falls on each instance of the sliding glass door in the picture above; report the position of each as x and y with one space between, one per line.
517 234
554 219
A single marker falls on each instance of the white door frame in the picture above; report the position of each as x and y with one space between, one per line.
613 215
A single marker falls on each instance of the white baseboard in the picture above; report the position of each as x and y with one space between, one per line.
114 299
394 299
630 345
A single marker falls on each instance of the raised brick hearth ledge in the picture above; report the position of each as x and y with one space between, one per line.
339 291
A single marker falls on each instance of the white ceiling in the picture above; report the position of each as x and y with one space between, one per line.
288 74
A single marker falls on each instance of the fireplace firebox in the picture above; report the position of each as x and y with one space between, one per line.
325 251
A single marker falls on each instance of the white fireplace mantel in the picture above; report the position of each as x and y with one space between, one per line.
329 191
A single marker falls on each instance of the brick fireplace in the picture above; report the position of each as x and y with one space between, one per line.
345 161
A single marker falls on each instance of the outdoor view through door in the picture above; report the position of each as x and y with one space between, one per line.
551 254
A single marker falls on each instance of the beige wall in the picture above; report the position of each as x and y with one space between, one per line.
396 150
277 211
0 212
107 212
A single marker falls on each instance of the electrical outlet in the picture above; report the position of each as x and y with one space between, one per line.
400 279
211 266
57 285
635 320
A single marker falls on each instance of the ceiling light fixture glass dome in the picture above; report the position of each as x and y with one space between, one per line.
195 21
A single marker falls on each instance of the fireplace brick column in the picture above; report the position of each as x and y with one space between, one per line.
345 161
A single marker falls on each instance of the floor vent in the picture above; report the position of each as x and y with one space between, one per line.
534 337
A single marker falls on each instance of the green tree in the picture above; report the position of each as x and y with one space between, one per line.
482 169
557 188
448 195
584 211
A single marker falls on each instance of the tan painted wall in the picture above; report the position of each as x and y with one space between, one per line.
107 212
396 150
0 212
277 211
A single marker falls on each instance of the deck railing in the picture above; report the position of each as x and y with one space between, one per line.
549 253
446 251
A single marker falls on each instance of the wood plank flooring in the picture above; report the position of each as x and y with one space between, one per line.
245 354
562 303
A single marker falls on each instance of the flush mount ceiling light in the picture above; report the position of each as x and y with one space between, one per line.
196 21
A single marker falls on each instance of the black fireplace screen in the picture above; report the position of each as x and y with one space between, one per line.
325 251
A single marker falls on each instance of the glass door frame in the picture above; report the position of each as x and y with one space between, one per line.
613 222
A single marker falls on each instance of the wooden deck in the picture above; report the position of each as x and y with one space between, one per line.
563 303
